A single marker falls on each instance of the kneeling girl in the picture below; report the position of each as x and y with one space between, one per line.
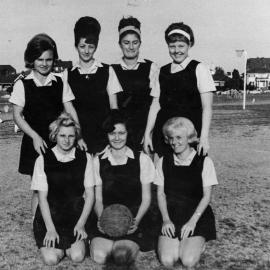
63 177
185 182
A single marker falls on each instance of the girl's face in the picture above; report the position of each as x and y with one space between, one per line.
118 137
130 46
178 51
44 64
178 140
65 139
85 50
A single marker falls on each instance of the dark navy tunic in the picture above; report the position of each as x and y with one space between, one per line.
135 99
183 187
42 106
121 184
65 197
179 96
92 104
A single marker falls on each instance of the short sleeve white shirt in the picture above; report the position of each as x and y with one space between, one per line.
209 177
18 94
39 179
205 82
147 168
114 85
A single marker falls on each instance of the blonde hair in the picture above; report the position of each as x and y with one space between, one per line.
63 120
176 123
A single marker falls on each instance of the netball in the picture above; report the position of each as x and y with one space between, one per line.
115 220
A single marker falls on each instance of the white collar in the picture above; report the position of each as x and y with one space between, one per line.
187 161
175 67
93 69
106 153
126 67
51 77
64 157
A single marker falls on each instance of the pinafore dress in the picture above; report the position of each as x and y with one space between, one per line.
121 184
65 197
184 190
42 106
179 96
91 104
135 99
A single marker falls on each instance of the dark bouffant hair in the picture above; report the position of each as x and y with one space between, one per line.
129 21
178 37
88 28
37 46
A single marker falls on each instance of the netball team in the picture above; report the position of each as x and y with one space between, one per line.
91 135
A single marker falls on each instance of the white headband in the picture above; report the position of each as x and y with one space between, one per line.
130 28
179 31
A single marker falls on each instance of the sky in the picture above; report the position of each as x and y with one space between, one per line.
220 27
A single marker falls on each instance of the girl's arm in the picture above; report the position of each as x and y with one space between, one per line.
168 228
99 201
207 101
146 201
113 101
79 230
69 108
51 234
39 144
151 120
189 227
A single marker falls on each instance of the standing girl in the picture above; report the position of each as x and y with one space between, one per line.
123 176
89 82
38 99
64 179
138 85
184 181
186 90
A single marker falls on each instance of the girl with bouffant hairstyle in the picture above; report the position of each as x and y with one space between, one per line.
89 81
38 99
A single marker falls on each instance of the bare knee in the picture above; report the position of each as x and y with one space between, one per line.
77 255
167 260
51 259
99 256
190 260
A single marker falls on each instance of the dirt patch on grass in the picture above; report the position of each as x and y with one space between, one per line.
240 148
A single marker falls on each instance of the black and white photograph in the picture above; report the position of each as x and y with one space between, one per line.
135 134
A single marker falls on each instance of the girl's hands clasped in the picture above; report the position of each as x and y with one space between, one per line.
168 229
50 238
80 233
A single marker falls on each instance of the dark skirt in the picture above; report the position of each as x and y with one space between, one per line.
180 213
29 155
64 219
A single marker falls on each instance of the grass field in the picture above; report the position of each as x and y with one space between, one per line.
240 148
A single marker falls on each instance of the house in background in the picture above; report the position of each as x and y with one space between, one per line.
7 76
60 65
258 73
